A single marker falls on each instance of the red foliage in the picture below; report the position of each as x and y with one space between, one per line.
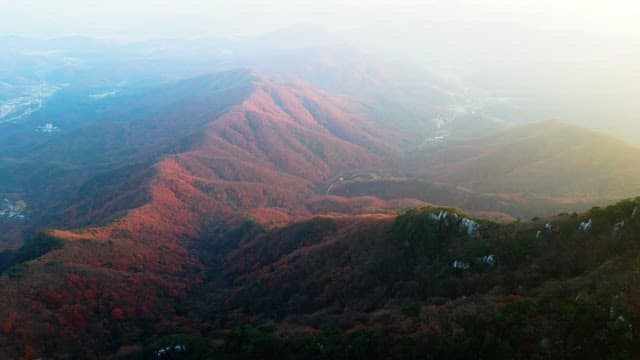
52 299
77 318
7 324
263 159
117 314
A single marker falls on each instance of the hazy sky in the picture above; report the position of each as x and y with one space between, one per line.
157 18
591 78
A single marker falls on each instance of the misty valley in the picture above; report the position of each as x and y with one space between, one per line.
295 194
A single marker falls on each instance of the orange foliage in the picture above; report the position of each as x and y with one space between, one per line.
263 159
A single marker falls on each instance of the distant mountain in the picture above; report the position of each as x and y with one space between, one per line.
237 141
277 151
524 171
547 158
399 96
192 200
163 199
102 142
180 161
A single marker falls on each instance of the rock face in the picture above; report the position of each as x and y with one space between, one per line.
452 220
461 265
586 225
488 260
470 227
442 216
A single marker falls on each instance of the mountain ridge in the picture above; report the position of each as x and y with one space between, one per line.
543 148
244 211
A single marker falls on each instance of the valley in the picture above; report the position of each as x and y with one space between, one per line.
233 110
249 202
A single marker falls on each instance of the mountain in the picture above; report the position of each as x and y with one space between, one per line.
524 171
235 214
401 97
100 145
182 159
554 158
427 283
278 150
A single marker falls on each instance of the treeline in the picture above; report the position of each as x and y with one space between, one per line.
546 328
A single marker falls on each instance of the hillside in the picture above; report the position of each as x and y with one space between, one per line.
523 171
98 166
190 218
238 136
400 96
260 157
298 180
550 158
428 283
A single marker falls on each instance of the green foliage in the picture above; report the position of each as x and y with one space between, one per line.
17 271
251 343
522 329
567 277
411 309
30 250
178 347
37 246
417 232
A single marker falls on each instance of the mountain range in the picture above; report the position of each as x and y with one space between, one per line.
251 214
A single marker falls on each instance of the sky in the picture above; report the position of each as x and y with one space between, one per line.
570 59
128 19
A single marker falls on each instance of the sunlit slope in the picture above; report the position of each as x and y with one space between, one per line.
545 159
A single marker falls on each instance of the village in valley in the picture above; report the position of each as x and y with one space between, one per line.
47 128
13 210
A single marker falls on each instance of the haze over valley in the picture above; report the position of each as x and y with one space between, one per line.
310 181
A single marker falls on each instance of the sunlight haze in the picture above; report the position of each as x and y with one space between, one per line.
146 18
319 179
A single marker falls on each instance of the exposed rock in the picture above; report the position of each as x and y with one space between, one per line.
469 227
170 350
586 225
461 265
489 260
441 216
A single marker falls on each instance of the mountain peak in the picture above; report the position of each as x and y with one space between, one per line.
224 80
